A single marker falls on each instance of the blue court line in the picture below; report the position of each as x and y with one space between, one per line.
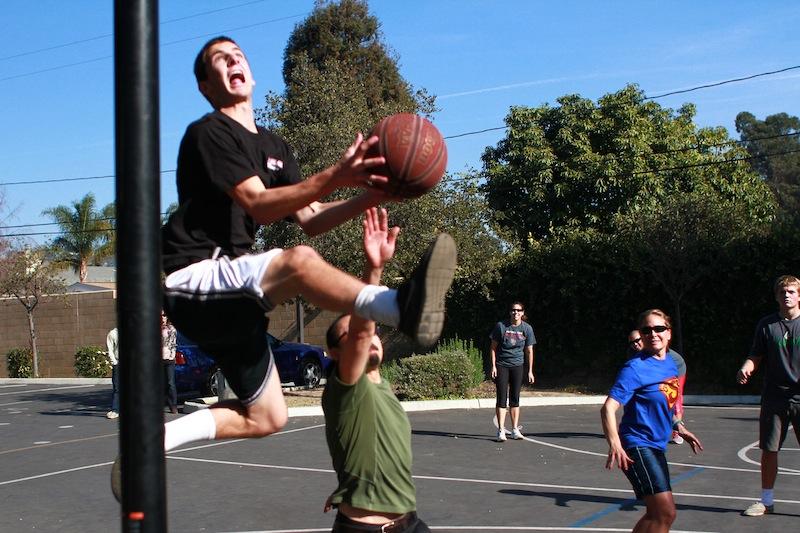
617 506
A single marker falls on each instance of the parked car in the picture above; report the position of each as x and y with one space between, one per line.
302 365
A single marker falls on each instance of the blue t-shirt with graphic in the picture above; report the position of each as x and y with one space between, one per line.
511 341
648 388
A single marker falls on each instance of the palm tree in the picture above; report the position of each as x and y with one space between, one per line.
87 235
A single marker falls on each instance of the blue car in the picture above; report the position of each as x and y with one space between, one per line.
302 365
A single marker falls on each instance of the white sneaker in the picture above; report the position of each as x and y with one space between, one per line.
501 435
516 434
676 438
112 415
758 509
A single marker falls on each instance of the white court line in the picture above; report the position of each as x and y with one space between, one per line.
67 471
10 386
15 403
480 528
477 481
46 390
690 465
59 472
742 454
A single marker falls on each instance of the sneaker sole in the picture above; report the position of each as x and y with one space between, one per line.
439 270
116 479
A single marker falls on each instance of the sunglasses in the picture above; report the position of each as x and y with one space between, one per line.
647 330
517 310
634 342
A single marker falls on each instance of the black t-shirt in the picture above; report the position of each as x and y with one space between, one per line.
777 341
216 154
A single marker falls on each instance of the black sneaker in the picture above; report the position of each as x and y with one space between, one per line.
421 297
116 478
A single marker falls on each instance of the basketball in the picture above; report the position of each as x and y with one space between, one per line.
415 152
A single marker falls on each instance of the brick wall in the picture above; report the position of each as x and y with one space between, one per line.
63 324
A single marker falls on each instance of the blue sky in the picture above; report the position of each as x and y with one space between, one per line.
478 57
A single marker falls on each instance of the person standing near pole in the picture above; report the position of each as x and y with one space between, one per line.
169 345
776 346
512 351
112 343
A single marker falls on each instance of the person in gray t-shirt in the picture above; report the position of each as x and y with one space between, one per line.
513 342
776 346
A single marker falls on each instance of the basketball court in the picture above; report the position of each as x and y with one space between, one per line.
56 448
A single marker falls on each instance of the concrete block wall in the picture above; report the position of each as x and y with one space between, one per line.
68 322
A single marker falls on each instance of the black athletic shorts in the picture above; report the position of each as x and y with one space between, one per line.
232 329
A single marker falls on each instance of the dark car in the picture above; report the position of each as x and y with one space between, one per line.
302 365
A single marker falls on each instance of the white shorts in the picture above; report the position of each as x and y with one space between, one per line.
224 275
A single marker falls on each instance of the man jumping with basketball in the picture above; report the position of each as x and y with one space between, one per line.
232 176
368 433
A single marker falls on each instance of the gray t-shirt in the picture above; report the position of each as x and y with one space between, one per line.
511 342
777 342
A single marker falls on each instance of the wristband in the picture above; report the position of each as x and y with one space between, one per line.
678 423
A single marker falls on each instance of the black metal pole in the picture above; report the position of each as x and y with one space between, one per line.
138 265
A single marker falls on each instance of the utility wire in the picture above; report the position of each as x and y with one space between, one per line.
724 82
697 147
636 173
106 35
229 30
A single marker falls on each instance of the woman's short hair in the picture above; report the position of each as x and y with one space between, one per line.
657 312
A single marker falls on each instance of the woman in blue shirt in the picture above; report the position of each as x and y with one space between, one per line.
647 385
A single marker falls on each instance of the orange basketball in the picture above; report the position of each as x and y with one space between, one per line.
415 152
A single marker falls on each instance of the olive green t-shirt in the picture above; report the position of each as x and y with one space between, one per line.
369 439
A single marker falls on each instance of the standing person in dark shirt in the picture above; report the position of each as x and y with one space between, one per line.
368 433
512 347
776 346
233 176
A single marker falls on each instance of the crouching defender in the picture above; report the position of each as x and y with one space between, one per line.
368 433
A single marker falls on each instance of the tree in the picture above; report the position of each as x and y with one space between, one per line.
340 79
579 164
25 275
774 144
682 239
618 206
88 234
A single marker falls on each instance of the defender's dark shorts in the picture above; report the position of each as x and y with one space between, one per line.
774 423
218 304
649 473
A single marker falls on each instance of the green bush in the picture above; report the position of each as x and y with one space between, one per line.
434 376
19 362
92 362
468 348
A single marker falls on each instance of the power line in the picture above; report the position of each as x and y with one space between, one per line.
229 30
106 35
724 82
635 173
57 180
697 147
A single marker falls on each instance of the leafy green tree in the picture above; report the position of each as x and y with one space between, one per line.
774 144
26 276
580 163
87 234
618 206
681 240
340 79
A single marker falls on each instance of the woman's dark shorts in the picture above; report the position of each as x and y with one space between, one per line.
649 473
